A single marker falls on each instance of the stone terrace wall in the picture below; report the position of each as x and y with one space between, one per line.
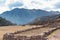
12 37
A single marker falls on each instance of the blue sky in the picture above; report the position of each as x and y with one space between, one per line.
48 5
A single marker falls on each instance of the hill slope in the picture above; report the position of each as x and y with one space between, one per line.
4 22
45 20
23 16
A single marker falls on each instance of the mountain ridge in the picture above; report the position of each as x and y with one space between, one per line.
24 16
4 22
45 20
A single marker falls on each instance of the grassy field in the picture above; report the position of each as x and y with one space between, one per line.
12 29
55 35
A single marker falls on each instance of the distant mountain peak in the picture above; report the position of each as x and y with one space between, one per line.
23 16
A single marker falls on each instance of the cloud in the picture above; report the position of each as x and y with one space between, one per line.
3 9
29 4
2 2
34 2
15 4
48 0
5 5
57 5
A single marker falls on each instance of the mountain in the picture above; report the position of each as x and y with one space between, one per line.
54 12
4 22
45 20
23 16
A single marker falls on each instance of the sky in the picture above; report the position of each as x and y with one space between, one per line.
48 5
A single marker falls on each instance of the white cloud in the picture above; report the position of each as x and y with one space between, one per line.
31 4
3 9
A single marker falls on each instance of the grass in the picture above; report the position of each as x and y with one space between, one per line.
55 35
11 29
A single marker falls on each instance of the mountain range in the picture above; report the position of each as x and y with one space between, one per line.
24 16
45 20
4 22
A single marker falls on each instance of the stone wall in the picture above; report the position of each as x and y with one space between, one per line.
13 37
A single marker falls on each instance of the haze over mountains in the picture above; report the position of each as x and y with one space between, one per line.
4 22
24 16
45 20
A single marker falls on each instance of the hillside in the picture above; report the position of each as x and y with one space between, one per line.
33 32
45 20
4 22
24 16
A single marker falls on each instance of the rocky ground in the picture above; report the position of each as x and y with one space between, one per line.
34 32
49 31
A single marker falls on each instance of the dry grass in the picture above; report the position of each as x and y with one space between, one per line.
34 32
11 29
55 35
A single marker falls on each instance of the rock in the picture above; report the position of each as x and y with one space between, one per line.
12 37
